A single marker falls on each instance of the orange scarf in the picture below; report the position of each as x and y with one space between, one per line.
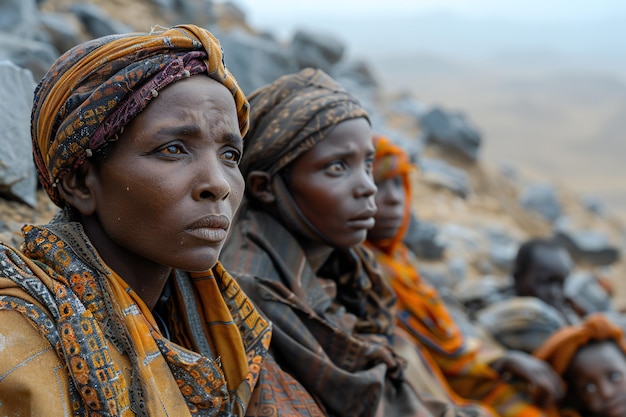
423 314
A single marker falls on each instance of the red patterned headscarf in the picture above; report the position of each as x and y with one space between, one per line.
93 90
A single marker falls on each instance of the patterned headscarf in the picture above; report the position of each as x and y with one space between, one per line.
93 90
288 118
293 114
391 161
559 350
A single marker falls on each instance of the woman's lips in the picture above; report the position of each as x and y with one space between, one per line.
213 228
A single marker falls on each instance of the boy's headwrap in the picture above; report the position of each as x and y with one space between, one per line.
559 350
93 90
293 114
288 118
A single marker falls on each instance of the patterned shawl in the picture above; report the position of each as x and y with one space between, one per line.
94 89
338 348
423 314
88 314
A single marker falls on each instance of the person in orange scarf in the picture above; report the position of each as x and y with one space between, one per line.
119 306
591 358
423 315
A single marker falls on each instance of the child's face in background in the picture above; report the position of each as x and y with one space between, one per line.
597 380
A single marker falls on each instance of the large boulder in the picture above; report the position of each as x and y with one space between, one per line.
18 179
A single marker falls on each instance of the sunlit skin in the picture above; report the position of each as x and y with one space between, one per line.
165 195
597 380
333 187
546 276
390 200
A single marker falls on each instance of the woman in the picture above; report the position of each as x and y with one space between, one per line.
296 248
119 306
423 315
591 358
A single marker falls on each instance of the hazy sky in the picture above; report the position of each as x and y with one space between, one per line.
304 10
593 32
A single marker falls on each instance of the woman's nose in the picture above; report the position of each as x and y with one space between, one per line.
212 182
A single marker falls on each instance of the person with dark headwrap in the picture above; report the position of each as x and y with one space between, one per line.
119 306
423 314
591 359
296 250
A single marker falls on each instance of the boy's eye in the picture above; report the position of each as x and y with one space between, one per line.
336 167
616 376
590 388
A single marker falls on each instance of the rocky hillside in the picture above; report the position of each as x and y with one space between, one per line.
471 216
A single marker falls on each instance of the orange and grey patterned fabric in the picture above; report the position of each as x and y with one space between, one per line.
109 348
422 313
96 88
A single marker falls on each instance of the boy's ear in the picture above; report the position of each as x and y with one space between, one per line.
76 188
259 186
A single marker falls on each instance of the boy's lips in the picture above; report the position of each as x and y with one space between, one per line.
365 220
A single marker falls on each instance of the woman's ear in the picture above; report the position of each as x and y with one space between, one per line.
75 188
259 186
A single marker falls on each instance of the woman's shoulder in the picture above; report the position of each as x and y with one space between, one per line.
32 378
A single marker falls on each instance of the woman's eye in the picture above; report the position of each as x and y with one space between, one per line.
231 155
172 150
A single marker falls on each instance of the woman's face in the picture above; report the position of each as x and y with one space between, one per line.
390 200
167 191
597 377
333 187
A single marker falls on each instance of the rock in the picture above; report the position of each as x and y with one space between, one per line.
502 248
440 173
589 246
594 205
96 21
452 131
61 29
357 71
254 61
28 54
542 199
18 178
18 18
585 292
421 238
316 50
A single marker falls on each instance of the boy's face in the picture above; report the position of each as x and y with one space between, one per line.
390 200
546 276
598 379
333 187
